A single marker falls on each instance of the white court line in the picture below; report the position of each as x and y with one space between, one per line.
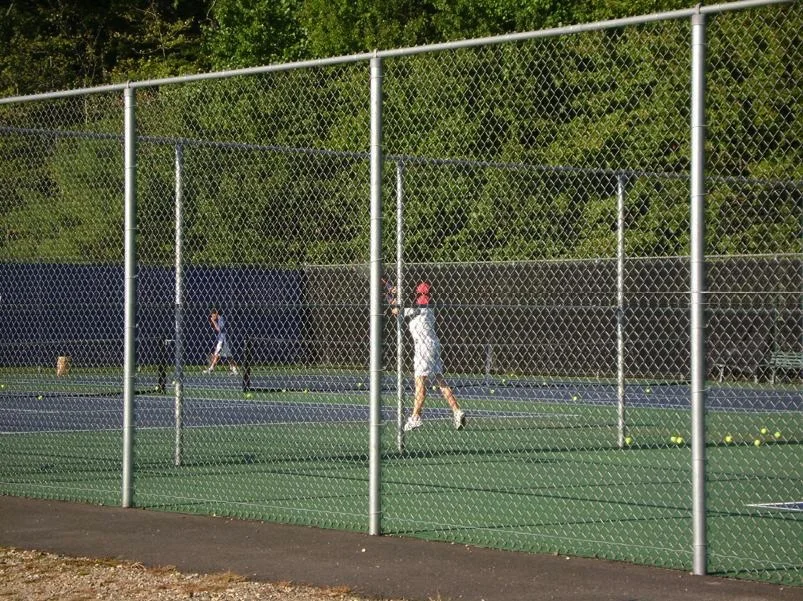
787 506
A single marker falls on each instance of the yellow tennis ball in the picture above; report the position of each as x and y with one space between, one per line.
40 397
757 442
628 440
728 439
777 435
674 439
764 431
680 440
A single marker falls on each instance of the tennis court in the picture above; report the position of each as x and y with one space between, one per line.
295 449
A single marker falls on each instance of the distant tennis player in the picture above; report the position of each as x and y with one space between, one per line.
222 350
427 357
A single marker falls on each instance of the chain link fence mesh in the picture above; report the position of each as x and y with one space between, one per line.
62 302
539 187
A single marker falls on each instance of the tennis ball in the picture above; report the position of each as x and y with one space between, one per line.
575 397
777 435
504 381
764 431
2 385
248 395
680 440
493 391
728 439
628 440
40 397
757 442
306 390
674 439
648 390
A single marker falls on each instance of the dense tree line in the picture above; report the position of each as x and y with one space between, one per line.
59 44
603 103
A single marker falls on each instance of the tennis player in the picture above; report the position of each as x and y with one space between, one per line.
222 349
427 358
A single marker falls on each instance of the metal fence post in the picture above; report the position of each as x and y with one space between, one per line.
376 299
130 291
400 316
620 309
698 363
179 309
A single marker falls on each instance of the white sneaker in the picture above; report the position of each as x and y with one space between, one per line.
459 419
413 422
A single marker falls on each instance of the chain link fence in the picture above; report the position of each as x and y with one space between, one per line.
538 184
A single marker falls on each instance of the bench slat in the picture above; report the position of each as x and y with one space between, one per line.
786 359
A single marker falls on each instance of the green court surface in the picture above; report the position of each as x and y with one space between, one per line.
527 475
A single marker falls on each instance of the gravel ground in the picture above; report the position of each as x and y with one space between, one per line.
37 576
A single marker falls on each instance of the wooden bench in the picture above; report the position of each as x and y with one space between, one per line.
784 361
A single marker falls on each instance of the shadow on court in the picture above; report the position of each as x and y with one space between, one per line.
372 566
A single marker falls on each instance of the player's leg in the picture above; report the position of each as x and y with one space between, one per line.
215 357
226 352
458 415
414 421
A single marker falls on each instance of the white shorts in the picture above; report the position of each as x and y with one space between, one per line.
427 360
222 348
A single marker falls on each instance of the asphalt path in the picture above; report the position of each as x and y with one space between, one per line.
375 566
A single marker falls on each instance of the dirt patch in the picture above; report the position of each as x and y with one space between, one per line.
37 576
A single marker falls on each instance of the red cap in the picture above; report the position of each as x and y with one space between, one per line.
422 296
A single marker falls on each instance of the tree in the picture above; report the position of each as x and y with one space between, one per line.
63 44
248 33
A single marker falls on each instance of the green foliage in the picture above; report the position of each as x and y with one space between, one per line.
253 32
53 45
509 152
72 212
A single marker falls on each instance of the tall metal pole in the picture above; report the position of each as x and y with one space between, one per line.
698 290
130 288
620 305
376 299
179 308
400 317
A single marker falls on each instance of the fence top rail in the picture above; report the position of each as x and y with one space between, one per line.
409 51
